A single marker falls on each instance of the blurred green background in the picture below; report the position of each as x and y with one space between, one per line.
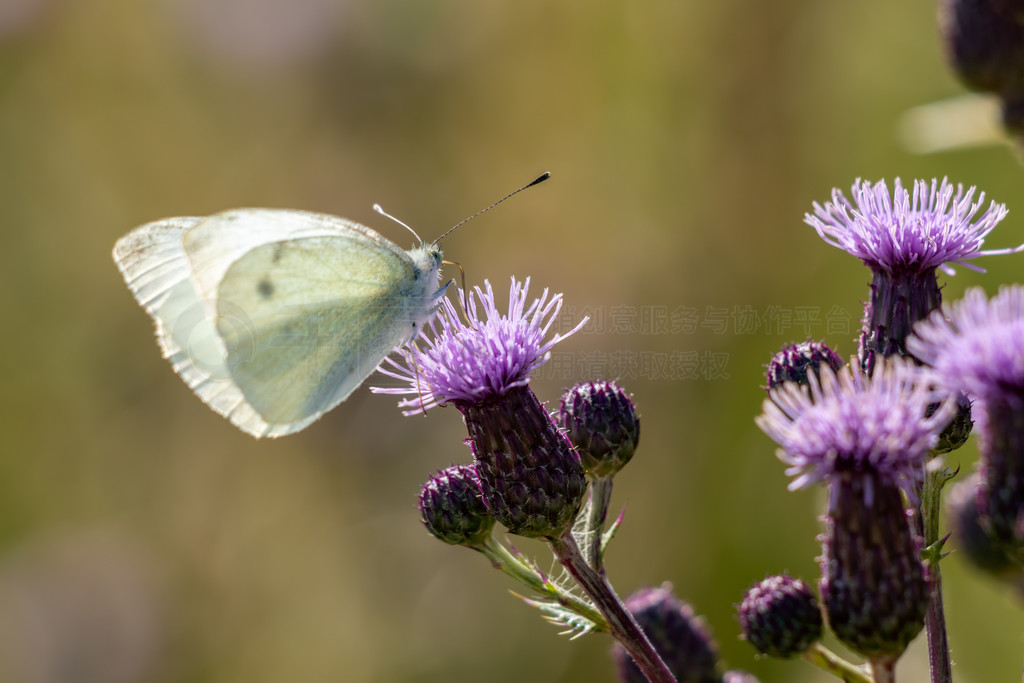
143 538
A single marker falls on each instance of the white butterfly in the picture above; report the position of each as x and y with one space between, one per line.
273 317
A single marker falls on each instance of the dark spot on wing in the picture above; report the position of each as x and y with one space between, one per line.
265 288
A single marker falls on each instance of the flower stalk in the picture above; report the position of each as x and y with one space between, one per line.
597 513
621 623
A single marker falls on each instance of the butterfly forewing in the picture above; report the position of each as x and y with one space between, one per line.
305 321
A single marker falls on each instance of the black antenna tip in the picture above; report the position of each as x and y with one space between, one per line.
544 176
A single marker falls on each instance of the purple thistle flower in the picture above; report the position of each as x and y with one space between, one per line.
904 240
484 358
849 421
867 438
531 478
903 234
977 346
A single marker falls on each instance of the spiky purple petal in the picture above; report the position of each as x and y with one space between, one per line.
485 357
849 420
933 228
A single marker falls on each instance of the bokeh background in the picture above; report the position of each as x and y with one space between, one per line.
143 538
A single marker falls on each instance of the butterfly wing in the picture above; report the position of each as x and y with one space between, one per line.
320 314
274 317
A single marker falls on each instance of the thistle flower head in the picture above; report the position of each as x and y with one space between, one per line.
679 636
780 617
850 422
793 362
451 507
531 479
976 344
602 423
480 359
934 227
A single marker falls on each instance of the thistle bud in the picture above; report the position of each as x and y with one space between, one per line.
452 510
602 424
959 428
794 361
780 617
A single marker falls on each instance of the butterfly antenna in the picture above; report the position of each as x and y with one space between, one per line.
544 176
379 209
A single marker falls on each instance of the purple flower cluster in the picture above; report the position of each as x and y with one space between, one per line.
869 431
529 476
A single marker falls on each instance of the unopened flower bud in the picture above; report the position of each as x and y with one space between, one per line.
780 617
602 423
794 361
451 507
959 428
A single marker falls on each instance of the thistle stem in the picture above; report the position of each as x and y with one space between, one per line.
600 498
621 623
826 660
883 670
935 620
